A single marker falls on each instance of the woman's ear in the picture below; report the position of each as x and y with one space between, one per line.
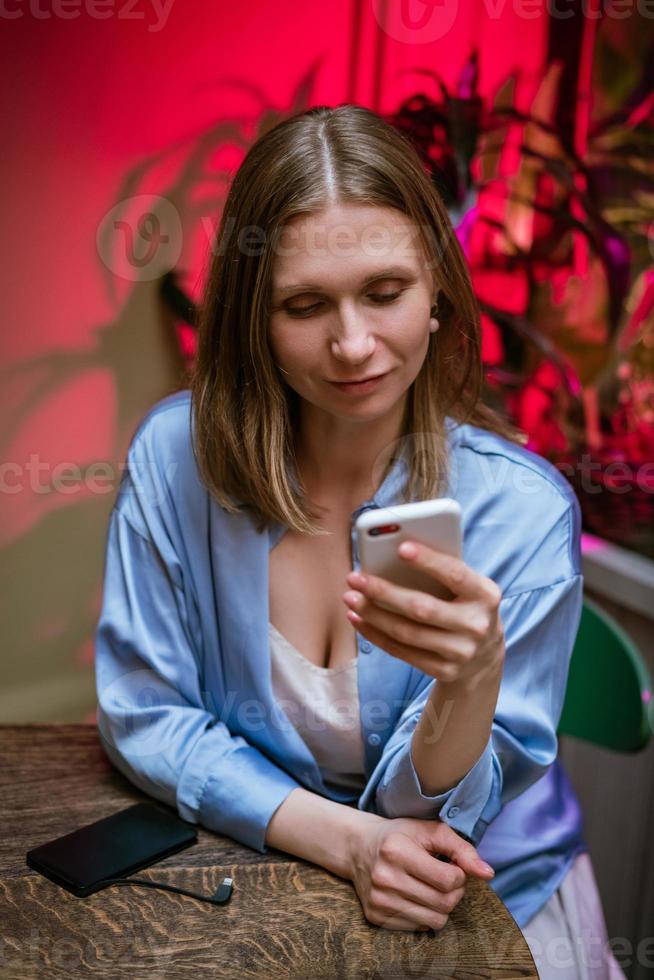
433 317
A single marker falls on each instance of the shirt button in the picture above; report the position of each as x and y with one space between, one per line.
374 739
453 810
366 647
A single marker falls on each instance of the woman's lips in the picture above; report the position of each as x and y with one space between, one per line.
359 387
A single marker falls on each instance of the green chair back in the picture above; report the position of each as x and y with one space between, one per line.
608 699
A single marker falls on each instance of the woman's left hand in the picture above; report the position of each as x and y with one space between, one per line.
449 639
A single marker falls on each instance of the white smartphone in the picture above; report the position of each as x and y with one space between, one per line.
380 532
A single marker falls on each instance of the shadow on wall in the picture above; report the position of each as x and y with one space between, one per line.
51 583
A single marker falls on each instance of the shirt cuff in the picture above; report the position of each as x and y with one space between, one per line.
467 807
239 795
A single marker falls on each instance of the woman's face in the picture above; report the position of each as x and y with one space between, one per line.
351 298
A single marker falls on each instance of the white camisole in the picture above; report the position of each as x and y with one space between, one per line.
322 703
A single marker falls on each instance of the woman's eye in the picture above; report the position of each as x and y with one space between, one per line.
300 310
379 298
384 297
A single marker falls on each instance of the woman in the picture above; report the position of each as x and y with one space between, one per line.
232 626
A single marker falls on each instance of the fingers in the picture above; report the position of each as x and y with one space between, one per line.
436 875
399 922
447 841
410 603
420 620
408 888
408 636
407 627
453 572
467 858
393 912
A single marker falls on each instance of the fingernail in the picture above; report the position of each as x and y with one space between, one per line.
486 867
408 550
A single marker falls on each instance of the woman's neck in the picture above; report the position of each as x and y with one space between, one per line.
343 462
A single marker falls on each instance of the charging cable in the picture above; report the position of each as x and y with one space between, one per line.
222 894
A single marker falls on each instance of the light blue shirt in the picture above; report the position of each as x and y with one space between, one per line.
185 706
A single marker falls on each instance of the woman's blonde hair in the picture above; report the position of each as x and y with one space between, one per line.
244 413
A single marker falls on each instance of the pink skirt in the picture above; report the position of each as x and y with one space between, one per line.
567 937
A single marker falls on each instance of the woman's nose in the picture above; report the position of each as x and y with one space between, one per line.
353 340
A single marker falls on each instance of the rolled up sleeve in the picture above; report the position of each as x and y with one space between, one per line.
540 627
151 717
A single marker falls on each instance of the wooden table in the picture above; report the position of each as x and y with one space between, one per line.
287 918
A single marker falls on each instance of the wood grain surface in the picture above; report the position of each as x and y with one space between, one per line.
287 918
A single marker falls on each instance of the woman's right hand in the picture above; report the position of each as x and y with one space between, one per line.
401 883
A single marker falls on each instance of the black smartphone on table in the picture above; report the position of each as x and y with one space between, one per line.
113 847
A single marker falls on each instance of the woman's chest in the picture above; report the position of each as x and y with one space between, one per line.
307 579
